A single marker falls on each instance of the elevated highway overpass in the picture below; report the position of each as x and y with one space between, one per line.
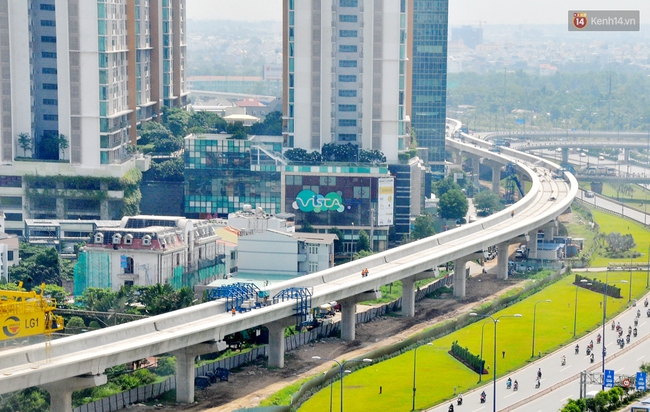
79 361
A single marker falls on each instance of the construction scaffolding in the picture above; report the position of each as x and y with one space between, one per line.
512 184
303 302
93 270
241 296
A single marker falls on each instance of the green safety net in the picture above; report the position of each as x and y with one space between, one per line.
93 270
181 278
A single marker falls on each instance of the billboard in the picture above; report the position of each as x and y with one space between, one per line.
272 72
385 201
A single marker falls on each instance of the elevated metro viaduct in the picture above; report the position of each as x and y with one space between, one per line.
80 361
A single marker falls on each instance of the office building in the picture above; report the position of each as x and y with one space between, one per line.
76 79
345 74
428 74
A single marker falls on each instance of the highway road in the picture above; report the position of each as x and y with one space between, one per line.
560 383
614 207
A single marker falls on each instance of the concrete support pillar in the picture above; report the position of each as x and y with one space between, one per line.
549 231
496 178
626 155
532 244
565 155
185 370
61 391
502 261
408 296
460 277
476 164
276 342
348 318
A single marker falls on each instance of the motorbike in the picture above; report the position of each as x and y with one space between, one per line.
538 383
598 339
648 313
451 408
483 397
591 358
627 339
459 401
634 332
577 349
563 361
508 384
622 344
588 351
636 322
515 386
645 303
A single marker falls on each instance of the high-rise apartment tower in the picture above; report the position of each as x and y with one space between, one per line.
86 72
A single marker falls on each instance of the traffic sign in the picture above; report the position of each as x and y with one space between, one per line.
641 381
626 383
609 378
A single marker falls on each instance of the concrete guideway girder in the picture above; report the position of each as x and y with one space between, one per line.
185 369
61 391
95 351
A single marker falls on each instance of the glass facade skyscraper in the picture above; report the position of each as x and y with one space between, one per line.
429 77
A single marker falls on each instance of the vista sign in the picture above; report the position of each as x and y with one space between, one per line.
309 201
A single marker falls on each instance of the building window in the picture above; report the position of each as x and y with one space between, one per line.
48 39
348 18
347 107
348 3
348 33
347 63
50 86
48 70
347 78
48 55
129 265
347 137
51 117
347 48
313 267
10 255
49 7
347 122
50 102
48 23
347 93
313 249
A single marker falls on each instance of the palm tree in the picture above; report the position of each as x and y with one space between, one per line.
25 142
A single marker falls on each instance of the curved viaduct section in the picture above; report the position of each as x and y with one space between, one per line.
79 361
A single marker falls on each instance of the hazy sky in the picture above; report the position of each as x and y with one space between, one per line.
460 11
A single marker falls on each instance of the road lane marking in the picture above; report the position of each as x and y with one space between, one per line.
564 399
568 367
640 357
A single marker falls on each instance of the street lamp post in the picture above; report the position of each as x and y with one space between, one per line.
480 374
415 360
647 276
575 312
342 372
604 320
494 379
534 319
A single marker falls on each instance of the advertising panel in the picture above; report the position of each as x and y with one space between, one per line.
386 201
272 72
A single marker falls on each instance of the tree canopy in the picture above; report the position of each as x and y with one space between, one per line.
453 205
423 227
488 202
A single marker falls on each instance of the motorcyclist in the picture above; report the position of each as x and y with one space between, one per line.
634 332
508 383
638 313
591 358
563 360
538 383
515 385
577 348
591 344
539 373
613 325
459 401
629 329
451 407
483 396
645 303
598 338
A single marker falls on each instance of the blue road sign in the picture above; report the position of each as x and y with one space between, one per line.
640 381
609 378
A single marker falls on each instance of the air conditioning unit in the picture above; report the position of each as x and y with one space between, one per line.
146 240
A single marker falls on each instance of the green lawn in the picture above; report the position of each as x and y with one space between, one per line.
438 373
612 223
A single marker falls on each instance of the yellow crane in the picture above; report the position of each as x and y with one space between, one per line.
27 313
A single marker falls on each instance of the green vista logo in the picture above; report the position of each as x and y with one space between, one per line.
308 201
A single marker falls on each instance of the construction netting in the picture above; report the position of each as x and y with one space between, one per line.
93 270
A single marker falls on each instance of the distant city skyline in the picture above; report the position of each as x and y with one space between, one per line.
460 11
